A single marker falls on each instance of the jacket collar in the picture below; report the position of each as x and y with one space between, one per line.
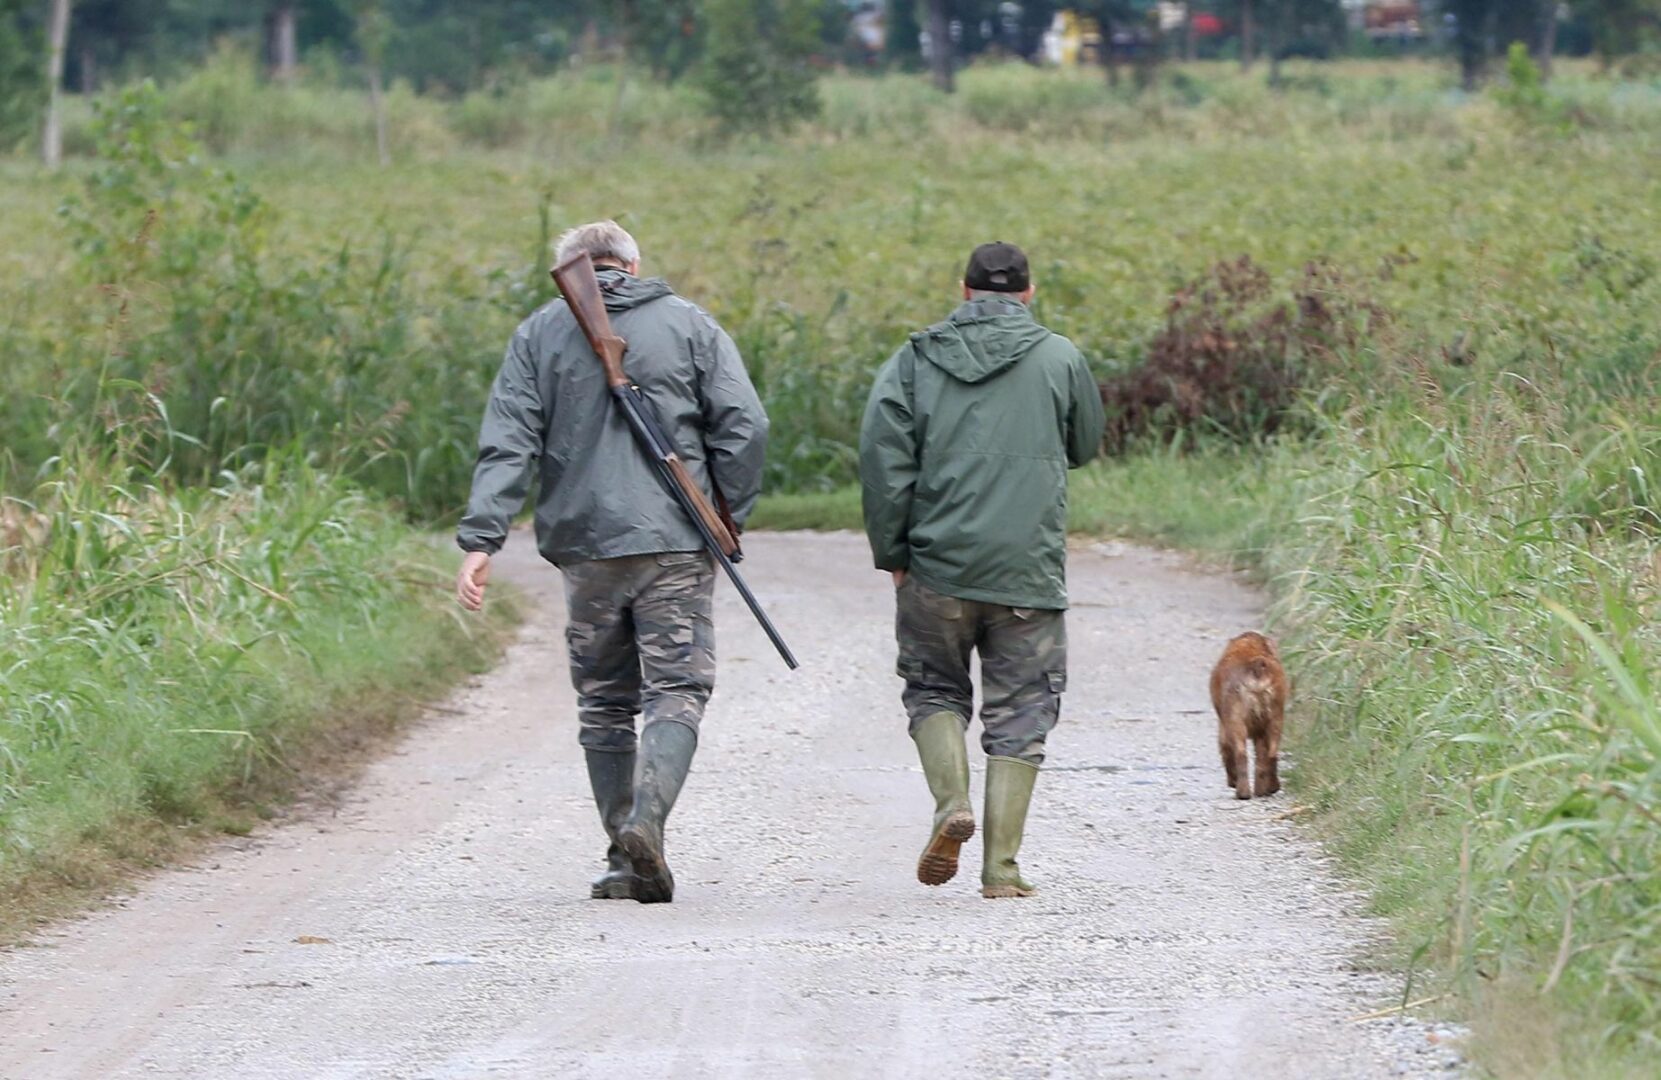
977 310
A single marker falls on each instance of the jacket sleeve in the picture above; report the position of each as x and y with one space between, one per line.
1086 420
735 423
888 463
510 442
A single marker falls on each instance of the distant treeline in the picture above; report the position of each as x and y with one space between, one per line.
457 45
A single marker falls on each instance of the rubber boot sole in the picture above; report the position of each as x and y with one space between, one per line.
1005 892
939 862
614 889
653 883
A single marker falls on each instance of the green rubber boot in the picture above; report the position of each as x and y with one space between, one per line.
939 741
1008 793
666 749
612 778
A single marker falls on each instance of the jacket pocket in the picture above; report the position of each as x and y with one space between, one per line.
1057 680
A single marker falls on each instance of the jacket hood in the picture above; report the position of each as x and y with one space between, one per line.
623 290
981 339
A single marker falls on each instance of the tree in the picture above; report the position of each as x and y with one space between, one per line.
372 30
662 33
902 44
1300 27
1532 22
1472 37
22 82
1112 16
282 40
757 72
1547 42
1618 26
57 37
941 61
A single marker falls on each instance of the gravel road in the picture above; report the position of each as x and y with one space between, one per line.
437 923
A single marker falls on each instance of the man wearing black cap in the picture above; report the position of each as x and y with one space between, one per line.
969 433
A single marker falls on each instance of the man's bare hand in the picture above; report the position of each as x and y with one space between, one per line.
899 577
471 579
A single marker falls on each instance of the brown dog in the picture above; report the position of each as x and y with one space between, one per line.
1248 690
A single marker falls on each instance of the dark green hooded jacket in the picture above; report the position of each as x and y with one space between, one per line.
551 412
963 457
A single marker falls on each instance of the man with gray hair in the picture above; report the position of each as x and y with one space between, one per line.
639 585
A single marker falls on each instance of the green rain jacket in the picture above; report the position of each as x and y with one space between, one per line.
550 411
963 457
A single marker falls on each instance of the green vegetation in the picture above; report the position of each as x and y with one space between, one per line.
179 659
1452 500
757 71
198 616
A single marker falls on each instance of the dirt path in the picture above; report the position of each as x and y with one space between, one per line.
1179 934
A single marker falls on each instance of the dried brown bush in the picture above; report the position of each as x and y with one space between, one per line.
1236 352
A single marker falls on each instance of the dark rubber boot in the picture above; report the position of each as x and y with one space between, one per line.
1008 794
940 747
611 776
666 749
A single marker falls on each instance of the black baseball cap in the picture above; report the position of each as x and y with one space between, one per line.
997 267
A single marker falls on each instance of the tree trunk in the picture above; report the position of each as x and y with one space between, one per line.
1190 43
285 50
1149 55
1274 40
57 37
1548 38
377 105
1110 55
88 81
940 46
1247 34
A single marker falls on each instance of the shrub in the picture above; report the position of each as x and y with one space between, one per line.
757 72
1234 357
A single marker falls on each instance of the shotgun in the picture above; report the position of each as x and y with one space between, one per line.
581 290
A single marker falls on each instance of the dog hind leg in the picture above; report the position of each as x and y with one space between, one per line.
1234 751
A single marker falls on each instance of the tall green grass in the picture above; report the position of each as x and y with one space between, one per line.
1470 584
201 606
181 286
177 658
1464 569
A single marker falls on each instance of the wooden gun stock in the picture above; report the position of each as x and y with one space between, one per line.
581 289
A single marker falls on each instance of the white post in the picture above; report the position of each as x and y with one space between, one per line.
57 33
285 50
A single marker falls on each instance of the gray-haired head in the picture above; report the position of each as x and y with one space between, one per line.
603 241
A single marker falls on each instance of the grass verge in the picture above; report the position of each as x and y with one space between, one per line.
182 665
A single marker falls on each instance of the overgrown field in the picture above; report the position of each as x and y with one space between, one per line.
1451 496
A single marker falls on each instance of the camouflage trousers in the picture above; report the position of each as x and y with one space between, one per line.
1023 666
641 636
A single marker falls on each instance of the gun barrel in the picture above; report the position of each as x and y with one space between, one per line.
652 440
